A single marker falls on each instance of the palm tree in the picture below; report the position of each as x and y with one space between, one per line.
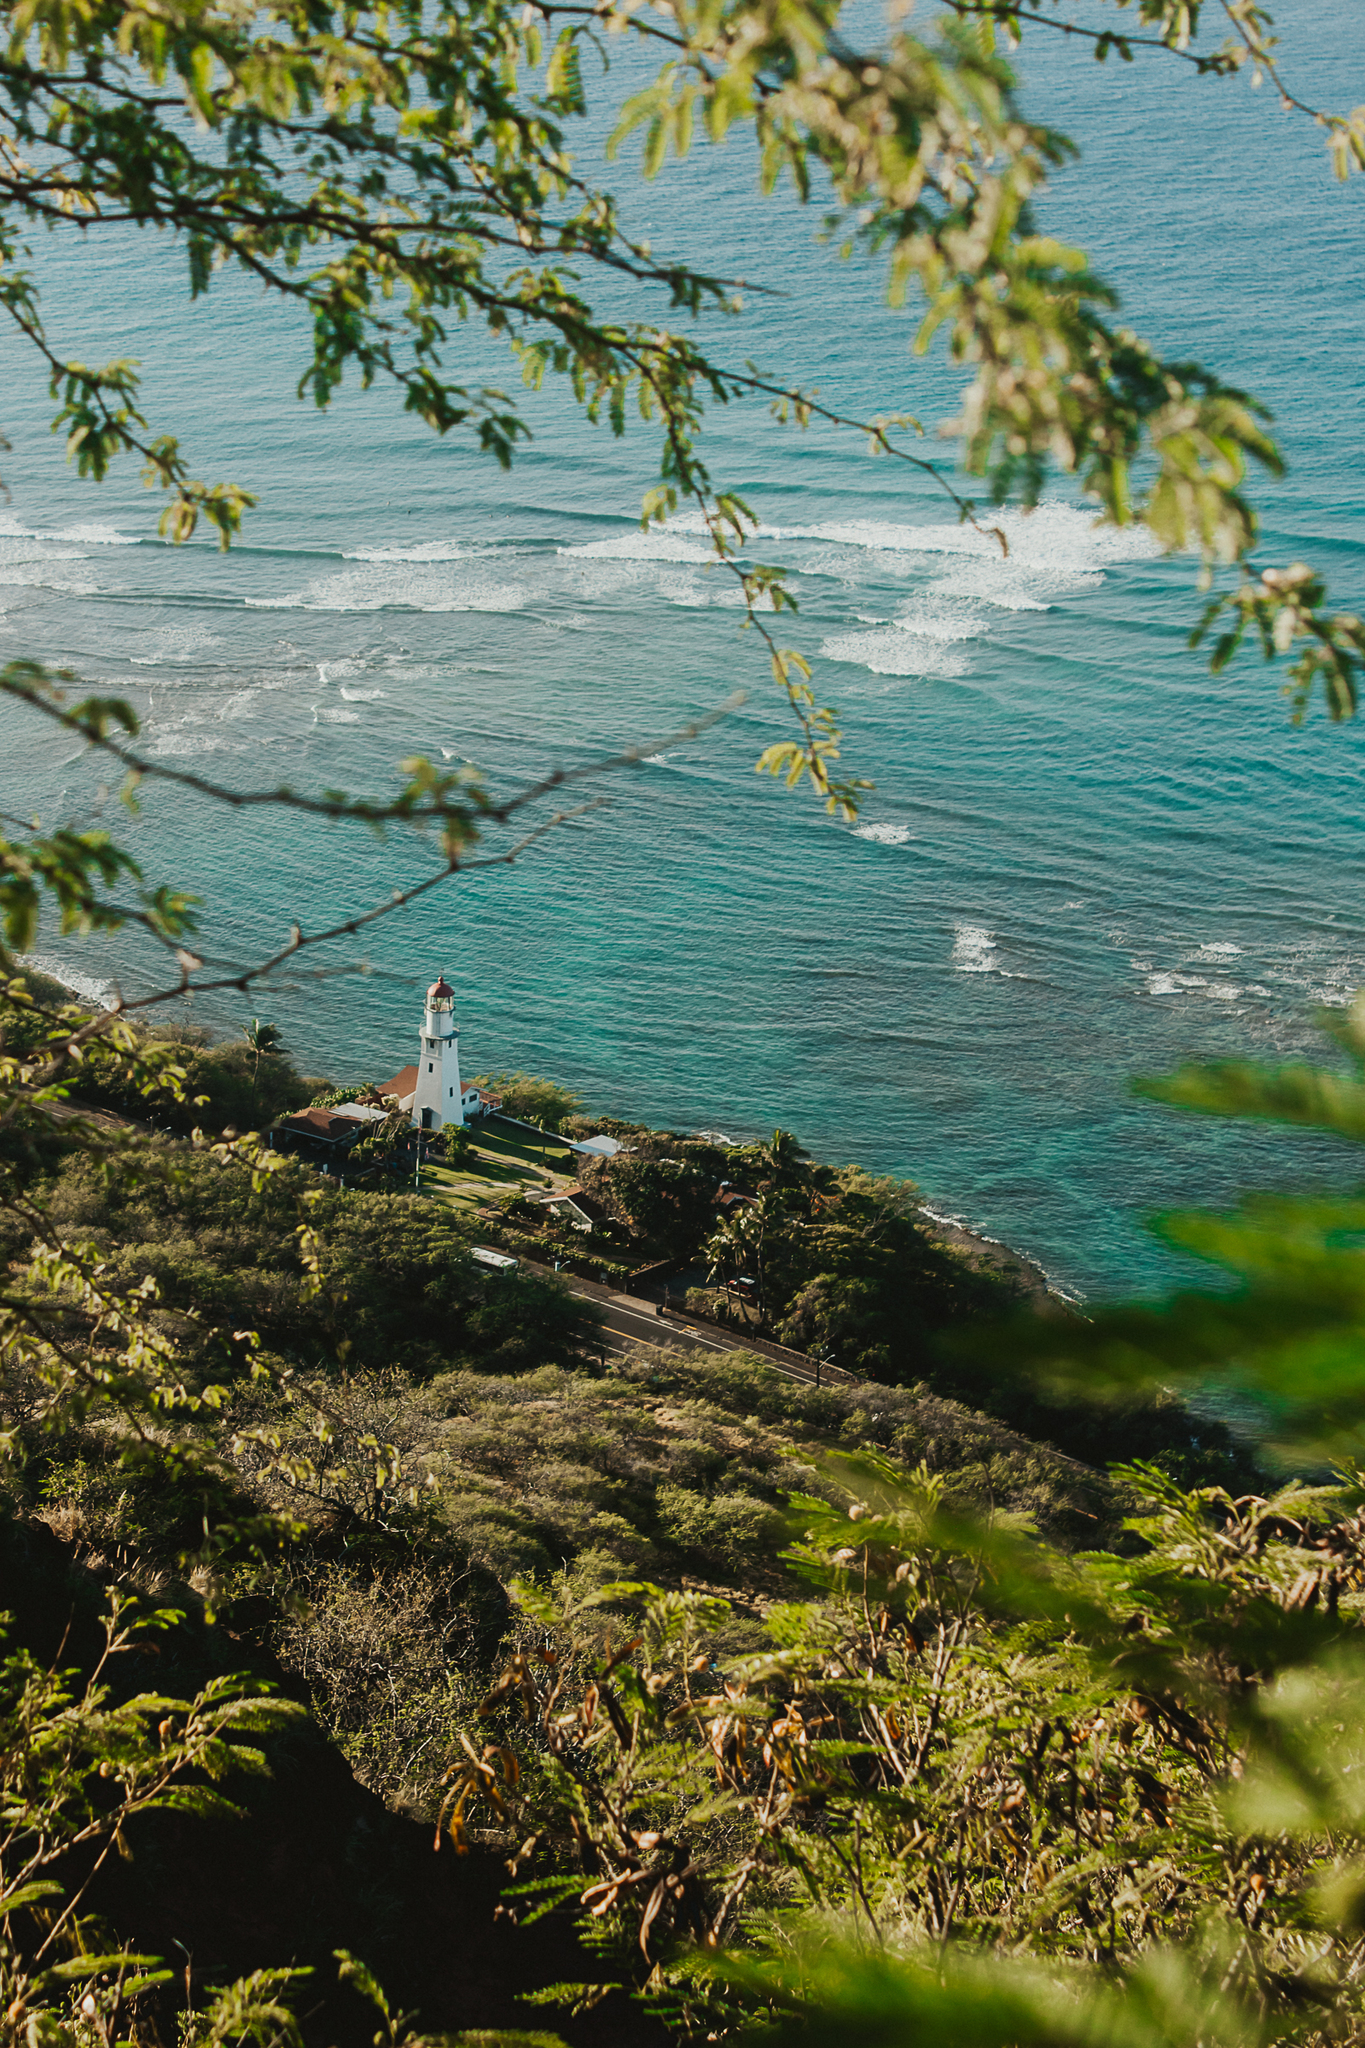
723 1253
786 1157
737 1244
266 1041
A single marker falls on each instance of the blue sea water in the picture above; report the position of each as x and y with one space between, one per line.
1084 857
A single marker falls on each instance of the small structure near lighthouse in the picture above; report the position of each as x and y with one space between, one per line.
431 1089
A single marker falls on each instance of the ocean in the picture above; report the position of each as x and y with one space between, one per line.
1084 857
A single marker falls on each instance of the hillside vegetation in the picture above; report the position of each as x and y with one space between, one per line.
706 1658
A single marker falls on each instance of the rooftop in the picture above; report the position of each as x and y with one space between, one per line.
403 1083
329 1126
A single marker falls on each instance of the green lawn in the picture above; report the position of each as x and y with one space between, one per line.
553 1154
462 1190
497 1165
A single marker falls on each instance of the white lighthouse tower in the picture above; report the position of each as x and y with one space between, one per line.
437 1099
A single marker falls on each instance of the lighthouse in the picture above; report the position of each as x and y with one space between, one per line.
437 1100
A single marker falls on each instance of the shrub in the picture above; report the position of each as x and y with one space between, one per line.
671 1202
534 1100
734 1530
390 1661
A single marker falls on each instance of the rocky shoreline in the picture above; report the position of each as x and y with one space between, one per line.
988 1255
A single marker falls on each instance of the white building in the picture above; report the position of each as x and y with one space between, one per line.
438 1098
430 1091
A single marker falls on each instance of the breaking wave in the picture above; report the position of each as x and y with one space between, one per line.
894 652
91 536
399 586
884 835
666 544
424 551
86 986
974 950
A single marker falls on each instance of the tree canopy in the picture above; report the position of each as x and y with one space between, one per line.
404 171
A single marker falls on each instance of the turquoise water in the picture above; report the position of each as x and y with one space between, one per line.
1084 857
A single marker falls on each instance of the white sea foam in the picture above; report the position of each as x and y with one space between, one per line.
924 641
35 551
655 545
1323 979
1335 996
174 643
35 573
977 581
1162 984
685 591
974 950
26 560
84 985
883 835
328 716
238 705
726 590
403 586
932 621
1014 586
484 596
361 696
955 1222
1219 949
94 535
328 671
188 743
597 579
894 652
1056 550
424 551
1054 537
656 760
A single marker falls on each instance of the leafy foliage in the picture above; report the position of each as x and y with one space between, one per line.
535 1101
397 1284
918 1763
957 1739
78 1768
959 1732
1131 1767
668 1202
852 1269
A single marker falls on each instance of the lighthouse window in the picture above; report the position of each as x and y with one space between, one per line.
431 1066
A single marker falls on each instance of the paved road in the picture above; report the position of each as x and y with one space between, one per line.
639 1324
628 1322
